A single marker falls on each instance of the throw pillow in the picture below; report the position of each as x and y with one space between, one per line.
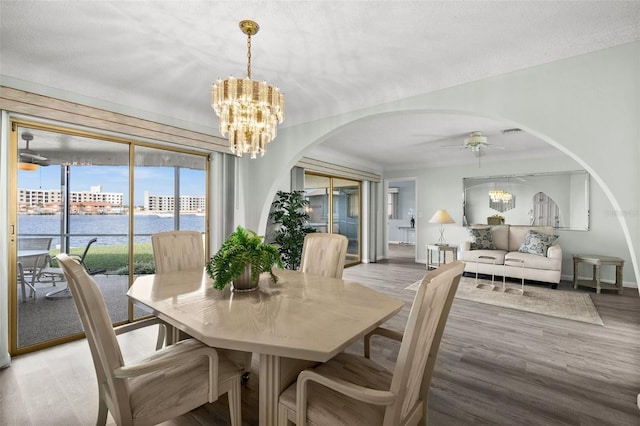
537 243
481 239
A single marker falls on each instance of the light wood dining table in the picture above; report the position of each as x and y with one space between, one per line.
292 324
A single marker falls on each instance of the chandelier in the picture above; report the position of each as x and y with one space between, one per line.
249 110
500 196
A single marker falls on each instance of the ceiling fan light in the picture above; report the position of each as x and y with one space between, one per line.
475 140
28 167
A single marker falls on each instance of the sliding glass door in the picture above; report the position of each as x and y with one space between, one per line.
334 207
75 189
160 178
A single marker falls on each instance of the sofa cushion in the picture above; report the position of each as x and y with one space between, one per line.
481 239
474 256
537 243
500 234
534 261
518 232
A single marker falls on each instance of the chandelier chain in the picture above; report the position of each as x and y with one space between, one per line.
249 56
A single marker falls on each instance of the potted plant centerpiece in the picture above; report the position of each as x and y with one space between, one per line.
241 260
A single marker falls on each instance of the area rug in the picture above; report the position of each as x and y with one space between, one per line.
571 305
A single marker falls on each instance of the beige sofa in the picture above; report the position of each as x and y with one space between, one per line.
507 240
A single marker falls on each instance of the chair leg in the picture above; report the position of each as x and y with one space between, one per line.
247 366
102 410
283 416
162 333
235 403
24 291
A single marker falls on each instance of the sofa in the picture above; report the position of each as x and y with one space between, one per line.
536 246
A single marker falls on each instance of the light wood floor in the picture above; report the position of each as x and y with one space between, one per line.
496 366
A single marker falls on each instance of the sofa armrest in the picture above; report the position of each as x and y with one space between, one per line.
465 246
554 251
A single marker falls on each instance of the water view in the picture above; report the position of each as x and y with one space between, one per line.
110 229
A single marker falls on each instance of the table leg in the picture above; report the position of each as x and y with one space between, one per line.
596 276
269 389
275 375
575 273
619 278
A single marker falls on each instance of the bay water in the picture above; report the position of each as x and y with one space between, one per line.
109 229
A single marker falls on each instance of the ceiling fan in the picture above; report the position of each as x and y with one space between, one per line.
27 156
476 143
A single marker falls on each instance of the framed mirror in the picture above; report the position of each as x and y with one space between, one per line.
559 199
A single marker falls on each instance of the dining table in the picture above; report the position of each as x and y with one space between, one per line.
297 322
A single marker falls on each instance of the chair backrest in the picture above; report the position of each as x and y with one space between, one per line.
101 337
324 254
32 264
35 243
86 250
177 250
421 340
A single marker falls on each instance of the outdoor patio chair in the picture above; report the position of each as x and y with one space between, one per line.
51 274
29 267
32 266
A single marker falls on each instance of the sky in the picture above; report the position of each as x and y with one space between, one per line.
156 180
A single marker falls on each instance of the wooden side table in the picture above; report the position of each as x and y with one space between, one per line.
597 261
441 254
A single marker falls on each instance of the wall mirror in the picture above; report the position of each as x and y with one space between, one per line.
559 199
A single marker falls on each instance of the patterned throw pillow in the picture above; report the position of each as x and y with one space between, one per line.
537 243
481 239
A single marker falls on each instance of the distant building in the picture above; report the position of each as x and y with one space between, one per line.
49 201
165 203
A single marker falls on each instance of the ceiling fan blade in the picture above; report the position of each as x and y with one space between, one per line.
32 155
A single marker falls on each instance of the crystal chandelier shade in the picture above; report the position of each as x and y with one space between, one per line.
500 196
249 110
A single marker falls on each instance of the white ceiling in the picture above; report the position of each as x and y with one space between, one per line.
328 57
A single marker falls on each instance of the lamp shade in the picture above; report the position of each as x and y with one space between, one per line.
441 216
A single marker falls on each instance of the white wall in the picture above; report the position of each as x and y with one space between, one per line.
604 237
587 106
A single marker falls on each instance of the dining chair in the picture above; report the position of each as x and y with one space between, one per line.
182 250
165 384
177 250
324 254
354 390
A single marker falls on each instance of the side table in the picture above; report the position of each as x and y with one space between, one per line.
441 254
597 261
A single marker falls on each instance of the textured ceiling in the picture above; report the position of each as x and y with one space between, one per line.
160 58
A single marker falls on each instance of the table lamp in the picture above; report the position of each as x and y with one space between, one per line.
441 217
